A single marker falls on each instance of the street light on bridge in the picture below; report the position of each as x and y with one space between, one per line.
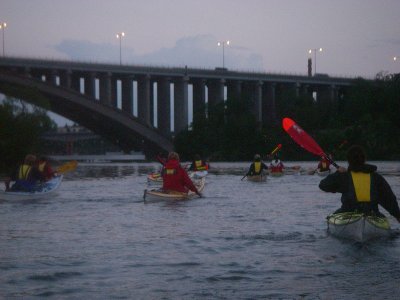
3 26
395 58
120 35
223 43
315 58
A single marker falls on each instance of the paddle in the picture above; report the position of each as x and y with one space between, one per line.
67 167
304 140
277 148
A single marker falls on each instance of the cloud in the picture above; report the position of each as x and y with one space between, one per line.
199 51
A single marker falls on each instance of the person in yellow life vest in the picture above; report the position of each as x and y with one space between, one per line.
257 166
362 188
44 167
26 176
198 164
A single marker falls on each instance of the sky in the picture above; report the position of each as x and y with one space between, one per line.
358 37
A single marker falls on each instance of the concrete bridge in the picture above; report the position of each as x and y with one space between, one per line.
143 107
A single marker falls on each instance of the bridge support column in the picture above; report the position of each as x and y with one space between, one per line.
199 98
114 102
76 82
65 79
181 117
90 85
164 106
258 102
270 103
127 94
144 99
105 89
234 89
215 92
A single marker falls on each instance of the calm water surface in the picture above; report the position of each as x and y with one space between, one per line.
97 239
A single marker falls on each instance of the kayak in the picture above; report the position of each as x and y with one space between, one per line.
358 226
154 179
160 194
257 178
323 173
41 191
276 174
198 174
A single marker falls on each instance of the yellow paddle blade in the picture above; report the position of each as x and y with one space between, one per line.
67 167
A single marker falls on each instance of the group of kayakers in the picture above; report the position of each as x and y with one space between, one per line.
257 167
29 173
362 188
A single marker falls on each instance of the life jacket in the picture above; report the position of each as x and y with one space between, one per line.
276 166
24 172
199 165
41 166
257 167
362 186
363 195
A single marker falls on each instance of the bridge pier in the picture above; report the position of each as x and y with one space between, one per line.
216 89
127 94
90 84
144 99
270 103
105 89
181 118
164 106
199 98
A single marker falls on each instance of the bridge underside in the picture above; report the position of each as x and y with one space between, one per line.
113 124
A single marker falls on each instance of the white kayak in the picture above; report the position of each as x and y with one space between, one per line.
160 194
41 191
358 226
154 179
197 174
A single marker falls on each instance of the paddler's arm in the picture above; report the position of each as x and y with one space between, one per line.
333 183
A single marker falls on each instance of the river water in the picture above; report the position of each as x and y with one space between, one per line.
97 239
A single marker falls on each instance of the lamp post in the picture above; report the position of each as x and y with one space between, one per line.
119 36
223 43
3 26
315 58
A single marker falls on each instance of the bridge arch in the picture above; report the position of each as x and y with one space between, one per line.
121 128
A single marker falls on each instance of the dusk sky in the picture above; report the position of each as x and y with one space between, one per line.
358 37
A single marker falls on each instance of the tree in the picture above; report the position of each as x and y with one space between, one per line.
20 128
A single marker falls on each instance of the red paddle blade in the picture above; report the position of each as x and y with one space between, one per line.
301 137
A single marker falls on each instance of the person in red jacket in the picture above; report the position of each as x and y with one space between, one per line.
175 177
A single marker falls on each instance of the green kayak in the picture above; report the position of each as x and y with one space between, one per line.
358 226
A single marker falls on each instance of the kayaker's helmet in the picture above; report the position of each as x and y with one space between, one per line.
257 157
173 155
355 157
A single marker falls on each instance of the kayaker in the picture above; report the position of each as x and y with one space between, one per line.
175 177
26 176
276 165
362 188
198 164
257 166
44 167
324 164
